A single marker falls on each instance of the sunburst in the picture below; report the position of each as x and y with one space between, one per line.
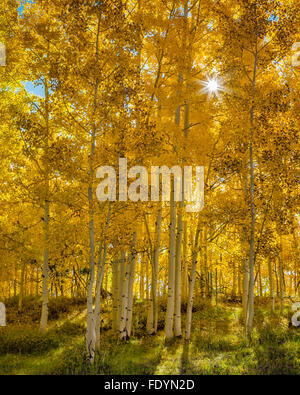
212 86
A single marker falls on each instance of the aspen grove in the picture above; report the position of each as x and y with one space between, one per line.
171 83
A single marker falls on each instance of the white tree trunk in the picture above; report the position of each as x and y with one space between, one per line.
250 304
271 285
245 289
177 315
45 273
121 273
100 275
22 280
130 286
185 263
115 293
191 289
281 284
156 266
90 332
171 272
124 279
152 317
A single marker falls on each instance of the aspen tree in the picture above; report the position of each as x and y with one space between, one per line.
185 262
177 317
115 293
131 263
122 294
171 270
216 285
45 275
206 279
147 279
100 275
91 331
21 294
281 283
234 280
297 263
179 235
271 285
156 267
191 288
239 280
124 297
250 303
155 249
142 277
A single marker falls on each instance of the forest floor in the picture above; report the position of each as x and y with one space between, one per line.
217 346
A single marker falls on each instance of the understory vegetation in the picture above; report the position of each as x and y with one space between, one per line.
218 344
149 187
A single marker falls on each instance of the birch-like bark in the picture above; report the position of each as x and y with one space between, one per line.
177 301
245 289
22 279
171 272
177 315
281 283
172 251
26 280
124 279
191 289
132 260
216 285
260 281
239 280
90 332
45 273
147 279
277 275
100 275
37 282
150 317
250 304
271 285
142 277
115 293
156 266
121 273
206 279
211 274
297 264
153 311
185 263
234 281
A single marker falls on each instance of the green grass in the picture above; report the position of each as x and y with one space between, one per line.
218 346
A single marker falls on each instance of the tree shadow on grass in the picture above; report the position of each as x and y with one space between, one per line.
185 362
278 351
135 356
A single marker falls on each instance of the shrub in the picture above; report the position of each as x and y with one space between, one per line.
26 341
70 329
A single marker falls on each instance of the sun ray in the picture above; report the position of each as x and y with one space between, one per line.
212 86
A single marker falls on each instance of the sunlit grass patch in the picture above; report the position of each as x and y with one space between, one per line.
218 346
